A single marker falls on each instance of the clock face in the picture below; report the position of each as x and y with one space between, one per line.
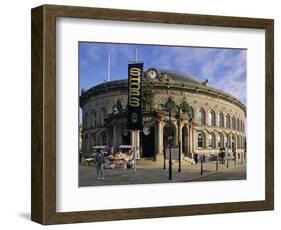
152 74
146 130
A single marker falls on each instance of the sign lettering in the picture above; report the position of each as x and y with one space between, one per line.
135 72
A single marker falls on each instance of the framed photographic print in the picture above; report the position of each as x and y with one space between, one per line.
139 114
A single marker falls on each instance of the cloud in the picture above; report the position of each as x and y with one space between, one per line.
227 72
224 68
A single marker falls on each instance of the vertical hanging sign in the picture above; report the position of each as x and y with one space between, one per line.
135 71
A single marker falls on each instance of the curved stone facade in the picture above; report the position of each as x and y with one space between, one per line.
214 119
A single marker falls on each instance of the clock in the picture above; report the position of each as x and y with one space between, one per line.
146 130
152 74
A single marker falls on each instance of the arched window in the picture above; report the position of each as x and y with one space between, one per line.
233 123
233 143
238 123
228 141
85 143
228 121
92 140
211 140
225 141
238 142
201 117
95 140
200 140
86 120
221 119
93 118
103 115
104 139
211 118
191 112
221 141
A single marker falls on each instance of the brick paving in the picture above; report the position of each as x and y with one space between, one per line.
149 172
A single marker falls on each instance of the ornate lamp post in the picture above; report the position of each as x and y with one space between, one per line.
184 108
227 147
179 137
170 105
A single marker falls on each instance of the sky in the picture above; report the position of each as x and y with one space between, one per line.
224 68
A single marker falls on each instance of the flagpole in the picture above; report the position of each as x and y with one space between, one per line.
135 153
108 68
134 131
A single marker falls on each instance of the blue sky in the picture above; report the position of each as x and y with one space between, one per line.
225 69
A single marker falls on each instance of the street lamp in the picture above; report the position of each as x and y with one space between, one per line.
227 155
170 105
179 137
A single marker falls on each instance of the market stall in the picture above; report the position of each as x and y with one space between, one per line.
123 159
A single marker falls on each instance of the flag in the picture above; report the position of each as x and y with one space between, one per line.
135 72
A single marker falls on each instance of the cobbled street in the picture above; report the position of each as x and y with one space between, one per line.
149 172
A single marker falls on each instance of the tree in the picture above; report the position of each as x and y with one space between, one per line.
184 106
148 97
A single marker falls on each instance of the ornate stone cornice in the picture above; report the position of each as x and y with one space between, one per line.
162 81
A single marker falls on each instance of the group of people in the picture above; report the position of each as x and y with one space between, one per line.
198 158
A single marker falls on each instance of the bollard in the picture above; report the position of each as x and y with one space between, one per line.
217 164
201 167
164 150
179 169
227 161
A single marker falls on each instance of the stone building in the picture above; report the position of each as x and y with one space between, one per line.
204 119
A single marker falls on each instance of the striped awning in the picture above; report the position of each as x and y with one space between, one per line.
126 146
100 147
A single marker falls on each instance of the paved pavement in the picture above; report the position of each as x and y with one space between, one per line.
149 172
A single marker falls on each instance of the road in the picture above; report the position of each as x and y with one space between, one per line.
149 172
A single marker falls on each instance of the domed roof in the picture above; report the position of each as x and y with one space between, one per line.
164 79
183 77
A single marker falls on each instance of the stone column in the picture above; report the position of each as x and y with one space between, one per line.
84 142
176 142
194 141
179 135
89 142
132 137
159 143
189 141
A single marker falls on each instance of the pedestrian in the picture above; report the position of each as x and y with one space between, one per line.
196 158
100 161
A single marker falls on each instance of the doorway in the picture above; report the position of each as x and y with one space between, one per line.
147 143
184 140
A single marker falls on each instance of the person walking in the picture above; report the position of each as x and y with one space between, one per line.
195 158
100 161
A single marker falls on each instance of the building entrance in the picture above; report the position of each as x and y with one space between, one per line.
126 137
147 143
169 135
184 140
